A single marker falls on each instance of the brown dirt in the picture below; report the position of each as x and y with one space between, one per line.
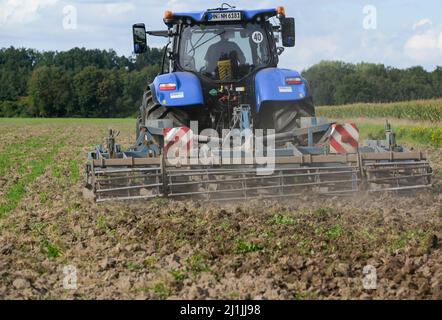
298 249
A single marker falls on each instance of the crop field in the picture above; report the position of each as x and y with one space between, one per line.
304 248
423 110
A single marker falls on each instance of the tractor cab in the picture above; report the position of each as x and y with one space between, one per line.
227 52
222 44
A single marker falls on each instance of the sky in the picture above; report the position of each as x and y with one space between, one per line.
398 33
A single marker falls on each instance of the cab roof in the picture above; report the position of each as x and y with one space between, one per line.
203 16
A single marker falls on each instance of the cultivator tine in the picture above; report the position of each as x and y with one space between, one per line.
398 176
323 174
245 183
127 183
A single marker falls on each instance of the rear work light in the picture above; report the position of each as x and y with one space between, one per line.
168 15
281 11
167 86
293 80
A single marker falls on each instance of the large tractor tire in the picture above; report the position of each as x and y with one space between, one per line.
150 110
285 117
288 118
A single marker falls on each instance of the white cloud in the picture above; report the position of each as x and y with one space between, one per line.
310 50
422 23
425 46
22 11
119 8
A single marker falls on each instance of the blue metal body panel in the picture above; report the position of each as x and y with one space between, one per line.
199 16
270 85
250 14
194 15
188 90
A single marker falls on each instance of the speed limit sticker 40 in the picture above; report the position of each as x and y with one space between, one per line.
257 37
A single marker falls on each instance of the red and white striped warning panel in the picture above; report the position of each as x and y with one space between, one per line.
178 140
344 138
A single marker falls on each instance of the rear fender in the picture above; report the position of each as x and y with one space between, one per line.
188 90
270 85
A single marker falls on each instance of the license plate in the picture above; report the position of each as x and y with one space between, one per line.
224 16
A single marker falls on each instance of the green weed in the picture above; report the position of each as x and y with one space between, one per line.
244 247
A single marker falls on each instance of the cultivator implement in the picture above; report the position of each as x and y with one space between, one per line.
144 172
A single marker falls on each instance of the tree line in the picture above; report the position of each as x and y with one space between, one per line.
337 83
100 83
75 83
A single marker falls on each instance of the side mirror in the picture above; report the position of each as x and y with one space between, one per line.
140 38
288 31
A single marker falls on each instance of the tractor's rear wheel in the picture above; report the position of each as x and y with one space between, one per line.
150 110
285 117
288 118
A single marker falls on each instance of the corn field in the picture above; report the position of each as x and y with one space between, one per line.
425 110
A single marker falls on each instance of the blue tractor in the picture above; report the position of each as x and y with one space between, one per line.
221 60
220 70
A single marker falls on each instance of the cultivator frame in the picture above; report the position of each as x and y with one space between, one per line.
144 172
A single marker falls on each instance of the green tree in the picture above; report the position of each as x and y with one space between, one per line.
50 92
109 95
436 82
415 84
85 87
16 66
324 78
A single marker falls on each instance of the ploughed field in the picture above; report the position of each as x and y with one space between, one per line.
304 248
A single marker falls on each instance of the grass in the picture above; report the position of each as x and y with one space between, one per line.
335 231
103 225
306 296
197 263
244 247
50 249
400 242
67 172
283 220
419 134
18 190
178 275
426 110
160 201
133 266
38 121
18 151
161 290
